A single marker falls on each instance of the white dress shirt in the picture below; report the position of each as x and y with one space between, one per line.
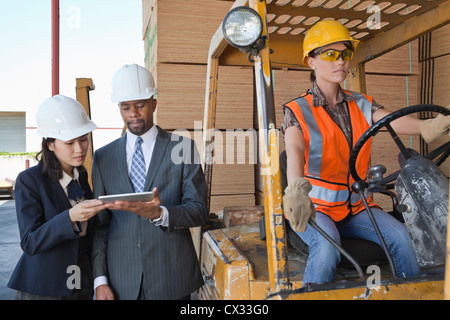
147 146
64 182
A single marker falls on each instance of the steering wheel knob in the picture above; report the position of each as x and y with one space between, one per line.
358 186
377 171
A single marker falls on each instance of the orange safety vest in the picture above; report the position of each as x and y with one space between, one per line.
327 154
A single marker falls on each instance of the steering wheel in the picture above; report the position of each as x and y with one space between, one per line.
406 153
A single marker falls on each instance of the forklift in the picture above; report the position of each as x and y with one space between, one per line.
267 260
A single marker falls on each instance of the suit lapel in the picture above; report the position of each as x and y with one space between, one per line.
159 152
54 188
122 167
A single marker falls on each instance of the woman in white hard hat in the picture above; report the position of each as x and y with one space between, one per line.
53 210
320 128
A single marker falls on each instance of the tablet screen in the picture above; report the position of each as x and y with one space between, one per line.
142 196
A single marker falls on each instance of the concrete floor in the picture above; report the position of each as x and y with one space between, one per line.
10 250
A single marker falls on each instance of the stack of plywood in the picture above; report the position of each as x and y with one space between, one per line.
178 31
440 53
177 35
181 96
288 85
235 156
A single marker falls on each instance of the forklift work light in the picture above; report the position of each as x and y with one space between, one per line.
242 28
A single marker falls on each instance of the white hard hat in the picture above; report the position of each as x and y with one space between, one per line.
132 82
62 118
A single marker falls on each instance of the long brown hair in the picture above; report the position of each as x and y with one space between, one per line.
51 167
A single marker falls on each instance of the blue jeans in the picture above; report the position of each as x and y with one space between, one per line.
323 257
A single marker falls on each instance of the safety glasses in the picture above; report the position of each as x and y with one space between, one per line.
332 55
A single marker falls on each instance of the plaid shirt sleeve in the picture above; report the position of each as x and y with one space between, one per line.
376 106
289 121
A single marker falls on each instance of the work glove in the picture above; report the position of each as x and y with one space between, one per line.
298 206
431 129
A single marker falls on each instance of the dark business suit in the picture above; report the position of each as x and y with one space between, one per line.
131 250
48 240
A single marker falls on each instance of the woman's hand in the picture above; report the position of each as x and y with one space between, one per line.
85 210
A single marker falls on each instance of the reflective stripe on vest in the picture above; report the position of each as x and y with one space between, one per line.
340 196
327 153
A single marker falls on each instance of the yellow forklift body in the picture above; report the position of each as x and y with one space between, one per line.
83 87
235 267
235 262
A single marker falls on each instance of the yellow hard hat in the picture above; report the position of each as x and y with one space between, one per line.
324 33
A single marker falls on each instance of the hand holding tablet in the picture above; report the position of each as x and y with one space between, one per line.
144 204
142 196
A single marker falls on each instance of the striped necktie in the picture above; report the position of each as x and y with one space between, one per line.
137 174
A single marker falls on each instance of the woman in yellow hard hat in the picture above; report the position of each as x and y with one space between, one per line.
320 128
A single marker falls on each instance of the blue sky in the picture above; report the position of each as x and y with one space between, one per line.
96 38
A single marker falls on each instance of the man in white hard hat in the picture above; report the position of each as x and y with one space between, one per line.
144 250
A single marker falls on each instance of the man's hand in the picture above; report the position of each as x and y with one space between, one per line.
104 292
149 210
298 206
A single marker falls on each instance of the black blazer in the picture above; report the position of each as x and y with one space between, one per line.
48 240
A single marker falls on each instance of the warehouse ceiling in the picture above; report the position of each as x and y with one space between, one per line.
381 26
364 19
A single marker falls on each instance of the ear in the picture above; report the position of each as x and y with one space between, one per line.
51 146
311 62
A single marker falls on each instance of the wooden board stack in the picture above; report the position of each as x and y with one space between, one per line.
177 36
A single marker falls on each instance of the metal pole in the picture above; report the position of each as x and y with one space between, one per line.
355 263
380 236
270 166
55 47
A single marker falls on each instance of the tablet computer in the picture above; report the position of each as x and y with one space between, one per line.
141 196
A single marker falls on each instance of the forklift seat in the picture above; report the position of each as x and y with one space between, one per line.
365 252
